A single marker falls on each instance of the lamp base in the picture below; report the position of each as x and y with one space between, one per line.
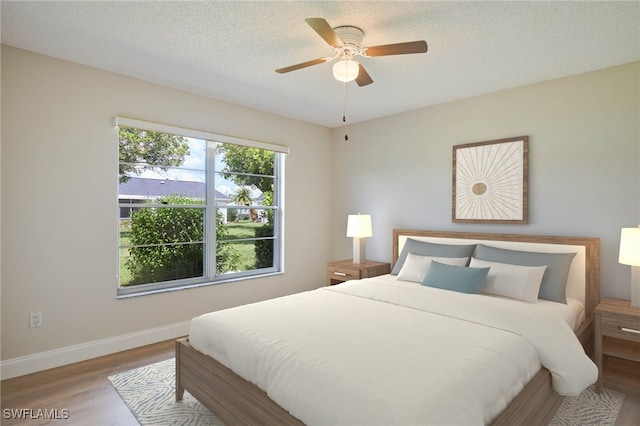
635 286
359 250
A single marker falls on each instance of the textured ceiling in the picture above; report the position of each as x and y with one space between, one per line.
229 50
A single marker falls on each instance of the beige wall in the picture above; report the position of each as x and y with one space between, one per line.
584 164
59 202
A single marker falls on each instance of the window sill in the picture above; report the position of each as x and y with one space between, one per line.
191 286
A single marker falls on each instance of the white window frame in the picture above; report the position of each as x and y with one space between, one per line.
210 276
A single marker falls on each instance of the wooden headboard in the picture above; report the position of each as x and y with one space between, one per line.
584 276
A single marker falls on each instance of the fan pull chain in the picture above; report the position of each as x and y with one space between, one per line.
344 114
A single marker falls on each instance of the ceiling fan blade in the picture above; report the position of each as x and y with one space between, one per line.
363 77
419 46
302 65
324 30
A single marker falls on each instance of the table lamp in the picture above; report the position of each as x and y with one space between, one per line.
630 255
359 227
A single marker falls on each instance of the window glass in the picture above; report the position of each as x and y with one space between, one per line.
194 211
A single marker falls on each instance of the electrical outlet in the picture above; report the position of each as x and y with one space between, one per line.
35 319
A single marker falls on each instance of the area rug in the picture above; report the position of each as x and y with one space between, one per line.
149 392
589 408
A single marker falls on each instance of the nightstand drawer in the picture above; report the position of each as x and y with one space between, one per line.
340 271
620 326
342 274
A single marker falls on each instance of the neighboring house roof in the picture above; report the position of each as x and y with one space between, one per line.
145 188
137 188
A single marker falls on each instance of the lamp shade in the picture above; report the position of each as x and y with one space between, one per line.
346 70
359 226
630 246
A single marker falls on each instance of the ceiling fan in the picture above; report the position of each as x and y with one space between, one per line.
346 41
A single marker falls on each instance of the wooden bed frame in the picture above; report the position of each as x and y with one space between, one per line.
239 402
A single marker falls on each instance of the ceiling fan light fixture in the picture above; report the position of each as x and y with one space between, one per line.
345 70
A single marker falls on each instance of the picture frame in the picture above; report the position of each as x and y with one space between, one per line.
490 181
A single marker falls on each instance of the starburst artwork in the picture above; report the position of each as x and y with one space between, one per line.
490 181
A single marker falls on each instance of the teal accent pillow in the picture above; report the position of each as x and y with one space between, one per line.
456 278
554 280
423 248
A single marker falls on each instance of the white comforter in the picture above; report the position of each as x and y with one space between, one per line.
381 351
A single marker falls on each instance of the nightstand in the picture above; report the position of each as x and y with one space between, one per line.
618 342
340 271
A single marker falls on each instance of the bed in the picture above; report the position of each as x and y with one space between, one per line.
320 377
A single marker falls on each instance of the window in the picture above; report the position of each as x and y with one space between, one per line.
195 207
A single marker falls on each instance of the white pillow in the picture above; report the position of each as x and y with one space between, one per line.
515 281
415 267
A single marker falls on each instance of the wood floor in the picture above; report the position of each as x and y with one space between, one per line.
624 376
85 392
82 388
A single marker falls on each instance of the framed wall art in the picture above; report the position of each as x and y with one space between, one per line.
490 182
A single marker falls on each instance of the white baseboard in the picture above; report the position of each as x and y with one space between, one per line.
44 360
